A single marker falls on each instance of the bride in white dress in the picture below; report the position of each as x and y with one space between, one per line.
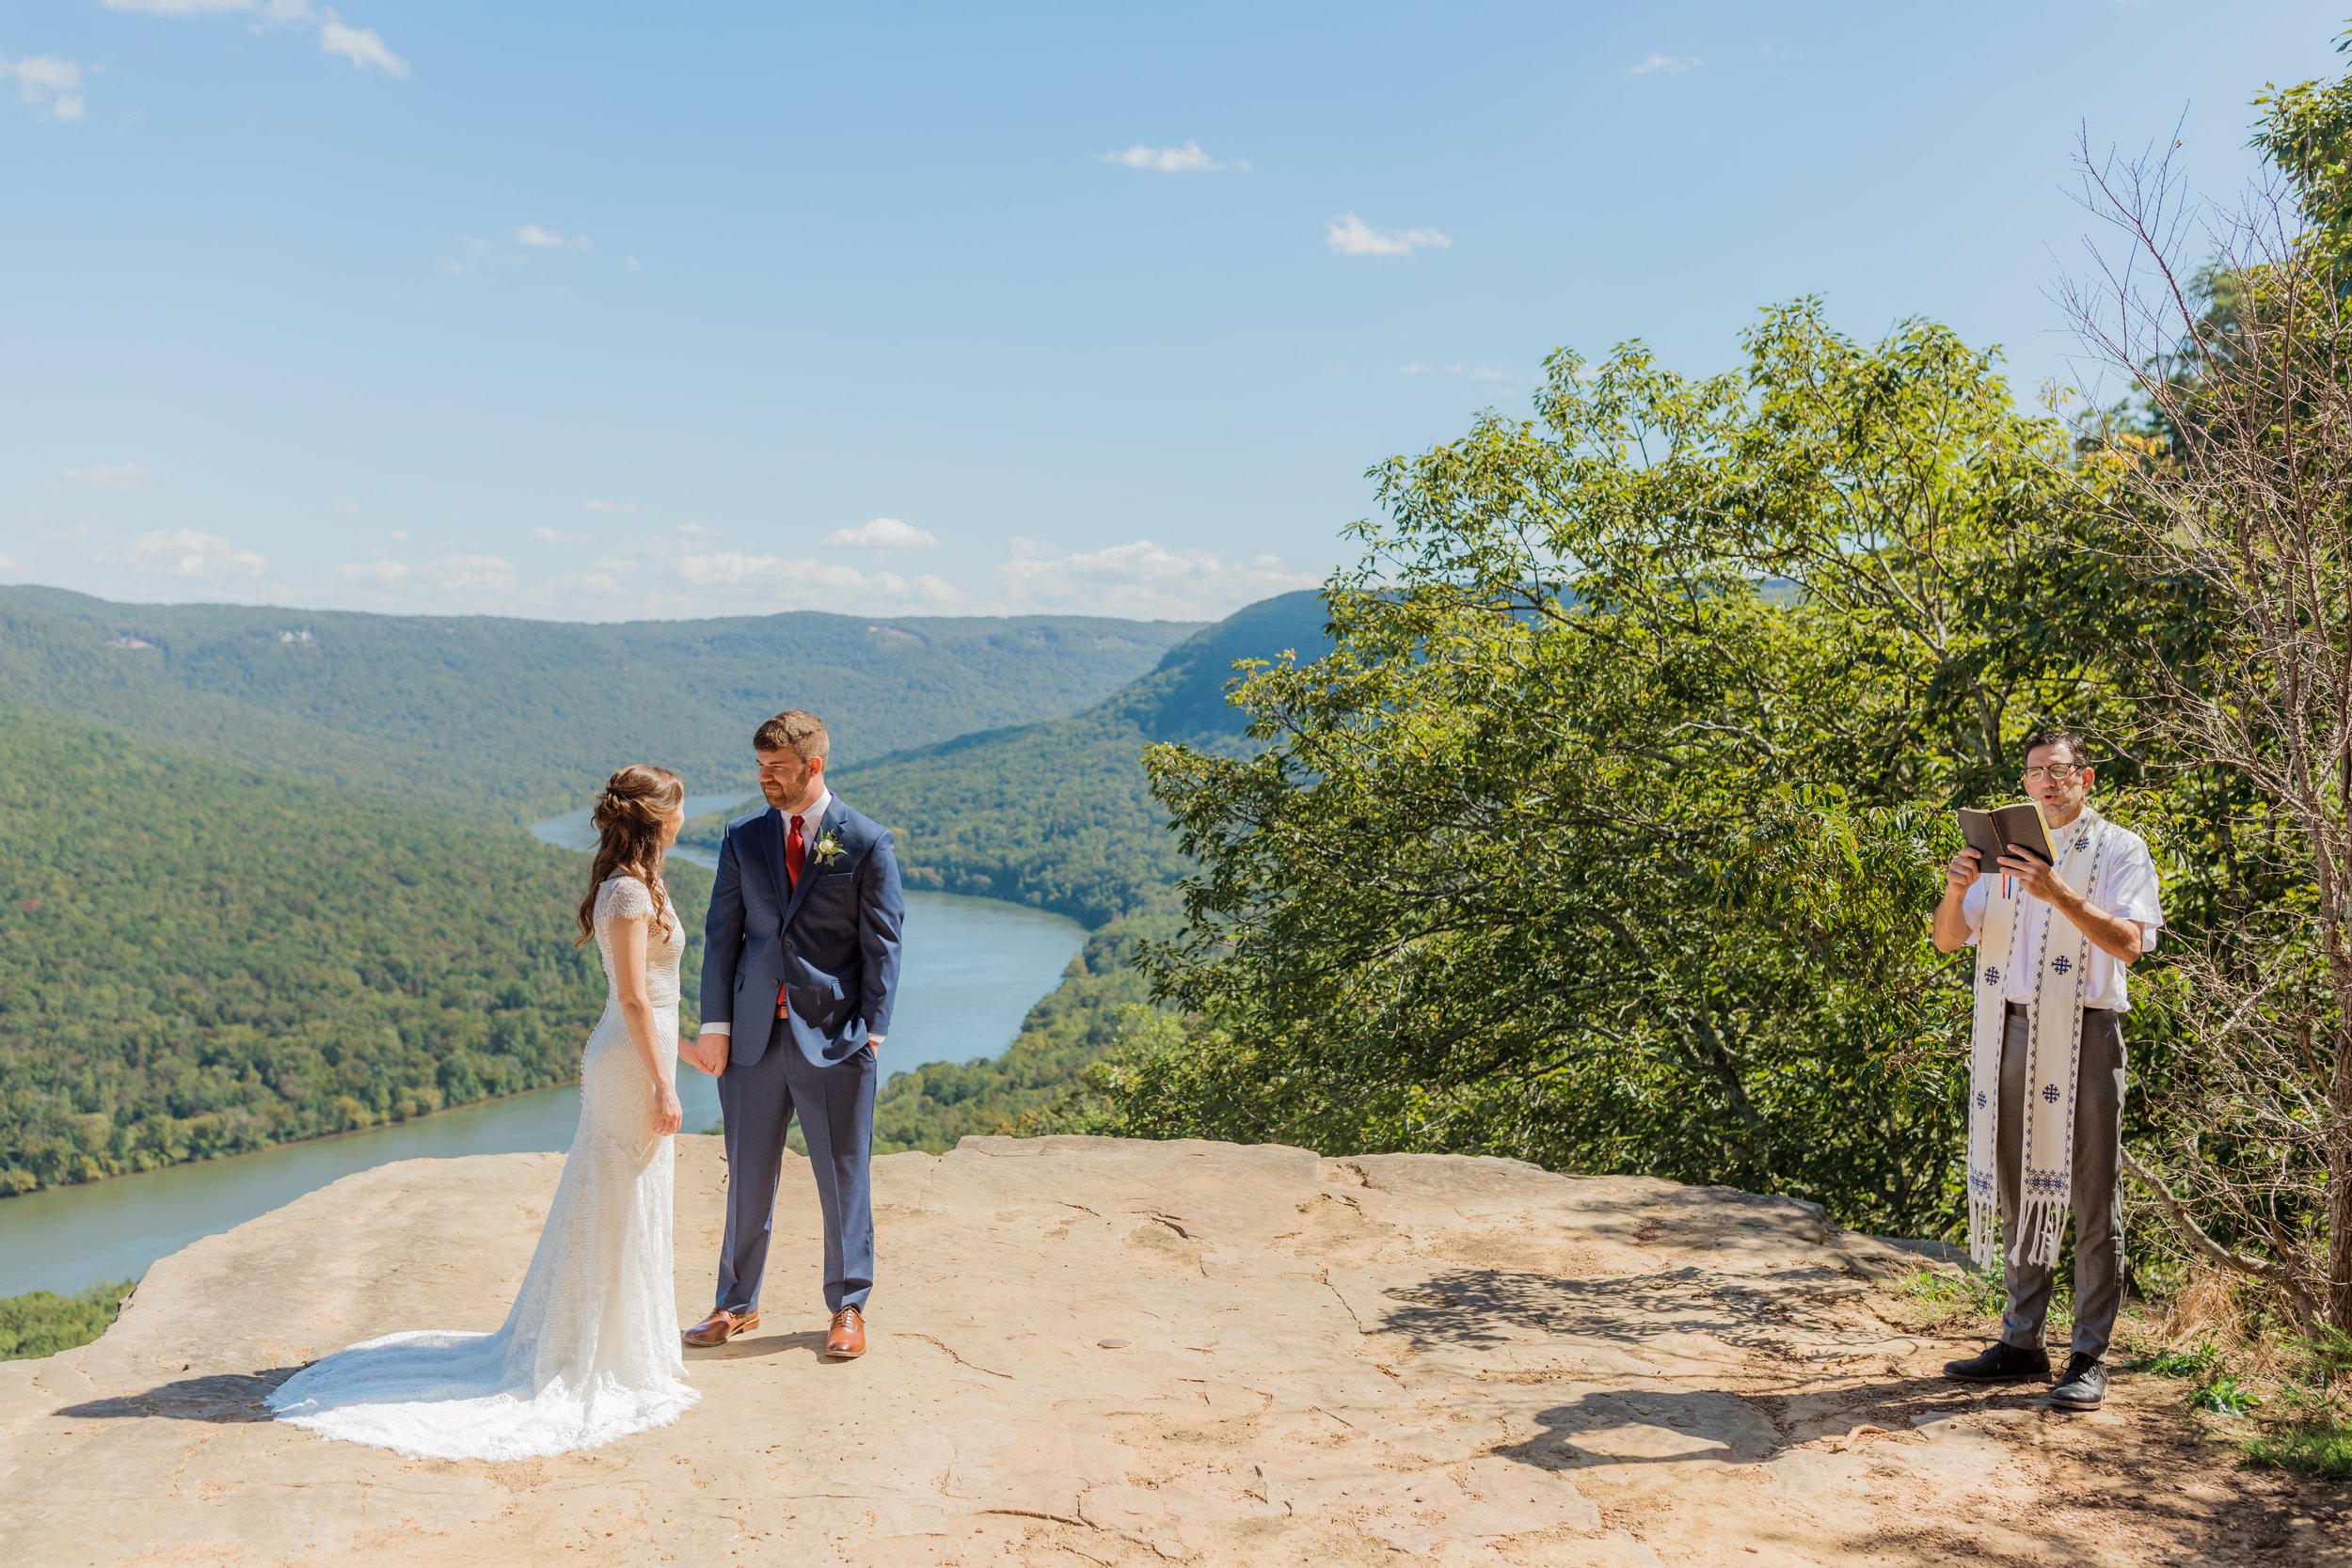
590 1350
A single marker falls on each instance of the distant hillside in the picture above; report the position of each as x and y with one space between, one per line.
506 720
1058 812
197 959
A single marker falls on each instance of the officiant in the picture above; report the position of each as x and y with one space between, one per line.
2055 942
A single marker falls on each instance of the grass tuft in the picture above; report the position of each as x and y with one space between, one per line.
2316 1447
1975 1292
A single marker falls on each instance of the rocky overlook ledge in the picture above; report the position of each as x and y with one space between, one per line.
1096 1352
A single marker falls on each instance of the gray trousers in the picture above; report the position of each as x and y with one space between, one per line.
2097 1200
836 1105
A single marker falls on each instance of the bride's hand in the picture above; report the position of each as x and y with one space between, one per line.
667 1112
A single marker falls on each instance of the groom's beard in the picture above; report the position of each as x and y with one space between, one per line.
789 804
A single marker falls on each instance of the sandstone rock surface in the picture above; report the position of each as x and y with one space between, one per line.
1094 1352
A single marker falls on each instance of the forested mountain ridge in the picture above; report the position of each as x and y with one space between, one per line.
197 959
508 720
1058 813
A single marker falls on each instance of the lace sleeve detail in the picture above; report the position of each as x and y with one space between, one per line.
624 898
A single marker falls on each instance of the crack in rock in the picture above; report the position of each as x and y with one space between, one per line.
949 1351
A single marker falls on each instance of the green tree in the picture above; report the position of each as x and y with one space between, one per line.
1603 834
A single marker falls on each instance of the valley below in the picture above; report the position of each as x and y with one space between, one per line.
976 967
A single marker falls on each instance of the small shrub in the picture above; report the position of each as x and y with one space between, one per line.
2200 1363
42 1323
2224 1395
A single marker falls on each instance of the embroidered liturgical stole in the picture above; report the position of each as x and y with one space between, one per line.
2054 1046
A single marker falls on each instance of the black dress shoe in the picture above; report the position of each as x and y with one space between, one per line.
2083 1386
2002 1363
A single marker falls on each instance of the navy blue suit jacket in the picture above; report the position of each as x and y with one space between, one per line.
832 942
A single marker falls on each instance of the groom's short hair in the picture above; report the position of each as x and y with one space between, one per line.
794 730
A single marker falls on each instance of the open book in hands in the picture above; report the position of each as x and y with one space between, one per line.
2020 827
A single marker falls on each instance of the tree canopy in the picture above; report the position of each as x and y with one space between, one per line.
1603 835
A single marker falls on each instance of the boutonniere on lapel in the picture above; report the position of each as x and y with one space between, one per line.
828 847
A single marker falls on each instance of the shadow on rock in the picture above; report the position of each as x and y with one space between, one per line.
1649 1428
225 1398
811 1340
1495 1306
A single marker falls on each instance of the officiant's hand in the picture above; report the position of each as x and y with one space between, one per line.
1964 870
2035 874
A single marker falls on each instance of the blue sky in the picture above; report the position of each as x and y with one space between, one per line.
599 310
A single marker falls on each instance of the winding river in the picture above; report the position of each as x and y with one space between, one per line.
974 968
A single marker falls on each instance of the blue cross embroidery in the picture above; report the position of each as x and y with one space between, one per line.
1991 975
2061 964
2049 1093
1980 1100
2083 843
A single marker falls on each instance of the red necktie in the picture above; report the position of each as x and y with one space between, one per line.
795 856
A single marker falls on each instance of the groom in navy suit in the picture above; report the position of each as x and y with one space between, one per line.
800 968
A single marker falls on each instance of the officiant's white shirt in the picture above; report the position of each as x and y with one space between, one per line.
2126 886
809 819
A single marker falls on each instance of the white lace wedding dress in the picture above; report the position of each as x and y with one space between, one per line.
590 1350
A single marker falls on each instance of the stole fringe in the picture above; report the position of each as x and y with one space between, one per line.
2039 1224
1984 1233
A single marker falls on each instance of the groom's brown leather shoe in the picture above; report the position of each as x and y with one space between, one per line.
848 1339
720 1326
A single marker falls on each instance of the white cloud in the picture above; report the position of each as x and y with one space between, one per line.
183 8
884 533
1490 373
1417 367
48 85
1143 579
8 565
270 11
556 536
610 506
1352 236
360 46
1654 63
602 578
539 238
185 553
709 579
1188 159
108 476
459 575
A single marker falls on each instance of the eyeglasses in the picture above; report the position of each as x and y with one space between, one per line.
2057 772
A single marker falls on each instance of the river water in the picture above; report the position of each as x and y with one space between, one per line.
974 967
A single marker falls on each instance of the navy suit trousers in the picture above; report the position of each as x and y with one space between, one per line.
835 1104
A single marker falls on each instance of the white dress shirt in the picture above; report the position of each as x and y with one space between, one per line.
809 821
2126 886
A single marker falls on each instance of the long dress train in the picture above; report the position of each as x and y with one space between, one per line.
590 1350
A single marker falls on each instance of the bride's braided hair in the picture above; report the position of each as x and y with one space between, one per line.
629 814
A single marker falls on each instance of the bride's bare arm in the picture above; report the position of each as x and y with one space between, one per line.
645 1027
